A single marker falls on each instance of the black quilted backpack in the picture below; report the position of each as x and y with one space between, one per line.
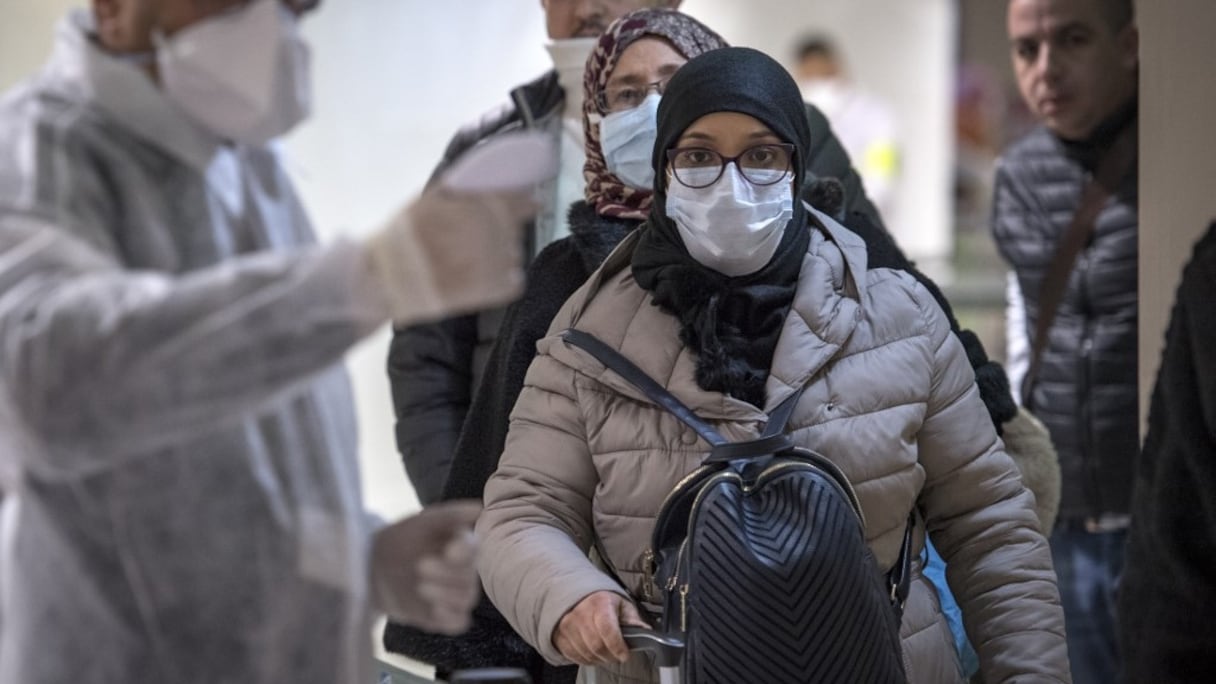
761 561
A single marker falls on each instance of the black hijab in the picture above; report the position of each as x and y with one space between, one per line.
731 323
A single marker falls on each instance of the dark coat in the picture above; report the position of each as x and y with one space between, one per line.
433 368
1086 389
553 276
1168 591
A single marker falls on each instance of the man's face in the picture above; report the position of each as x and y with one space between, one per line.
816 67
127 25
588 18
1073 68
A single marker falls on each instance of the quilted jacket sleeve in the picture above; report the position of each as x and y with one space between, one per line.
430 371
982 520
536 527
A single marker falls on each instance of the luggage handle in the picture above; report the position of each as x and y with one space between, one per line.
667 650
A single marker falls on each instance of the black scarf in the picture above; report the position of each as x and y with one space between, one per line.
731 323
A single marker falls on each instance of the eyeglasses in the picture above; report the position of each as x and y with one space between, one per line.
620 98
698 167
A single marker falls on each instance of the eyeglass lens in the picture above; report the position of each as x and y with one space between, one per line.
760 164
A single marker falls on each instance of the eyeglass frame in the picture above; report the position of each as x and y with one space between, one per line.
601 96
786 174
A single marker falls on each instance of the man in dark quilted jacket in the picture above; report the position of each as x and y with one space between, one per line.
1076 65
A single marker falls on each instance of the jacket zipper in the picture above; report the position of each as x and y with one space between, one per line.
648 575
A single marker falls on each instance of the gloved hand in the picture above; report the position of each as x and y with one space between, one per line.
451 252
424 569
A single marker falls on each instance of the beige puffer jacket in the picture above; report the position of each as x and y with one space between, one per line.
890 398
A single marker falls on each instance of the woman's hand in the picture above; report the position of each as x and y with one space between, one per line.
590 634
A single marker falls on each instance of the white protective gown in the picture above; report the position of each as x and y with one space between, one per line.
177 438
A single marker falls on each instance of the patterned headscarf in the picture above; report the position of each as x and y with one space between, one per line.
690 38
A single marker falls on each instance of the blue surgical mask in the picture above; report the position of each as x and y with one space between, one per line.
627 140
733 226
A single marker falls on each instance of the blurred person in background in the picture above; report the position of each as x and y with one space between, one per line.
865 124
182 499
1065 219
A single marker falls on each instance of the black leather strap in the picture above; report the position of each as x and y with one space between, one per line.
625 368
724 453
772 440
1117 160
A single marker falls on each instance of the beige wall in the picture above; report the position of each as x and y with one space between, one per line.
25 35
1177 157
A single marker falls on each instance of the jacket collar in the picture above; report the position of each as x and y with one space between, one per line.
539 99
81 69
827 307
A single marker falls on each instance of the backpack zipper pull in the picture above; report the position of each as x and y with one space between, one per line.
648 575
683 607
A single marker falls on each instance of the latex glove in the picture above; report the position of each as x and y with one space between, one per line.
451 252
590 634
424 568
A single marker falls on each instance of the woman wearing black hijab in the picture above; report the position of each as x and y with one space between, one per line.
733 295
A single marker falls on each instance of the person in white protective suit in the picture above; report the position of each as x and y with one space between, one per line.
177 438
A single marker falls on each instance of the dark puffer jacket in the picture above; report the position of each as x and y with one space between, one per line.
434 367
1086 386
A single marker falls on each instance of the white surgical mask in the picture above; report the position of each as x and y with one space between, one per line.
627 140
732 226
828 94
243 75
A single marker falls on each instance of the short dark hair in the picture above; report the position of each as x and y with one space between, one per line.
1119 13
816 46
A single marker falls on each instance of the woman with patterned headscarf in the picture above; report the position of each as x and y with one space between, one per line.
651 44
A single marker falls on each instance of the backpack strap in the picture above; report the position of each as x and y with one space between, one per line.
1113 166
625 368
772 440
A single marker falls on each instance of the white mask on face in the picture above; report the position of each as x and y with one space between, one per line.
828 94
732 226
627 140
243 75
